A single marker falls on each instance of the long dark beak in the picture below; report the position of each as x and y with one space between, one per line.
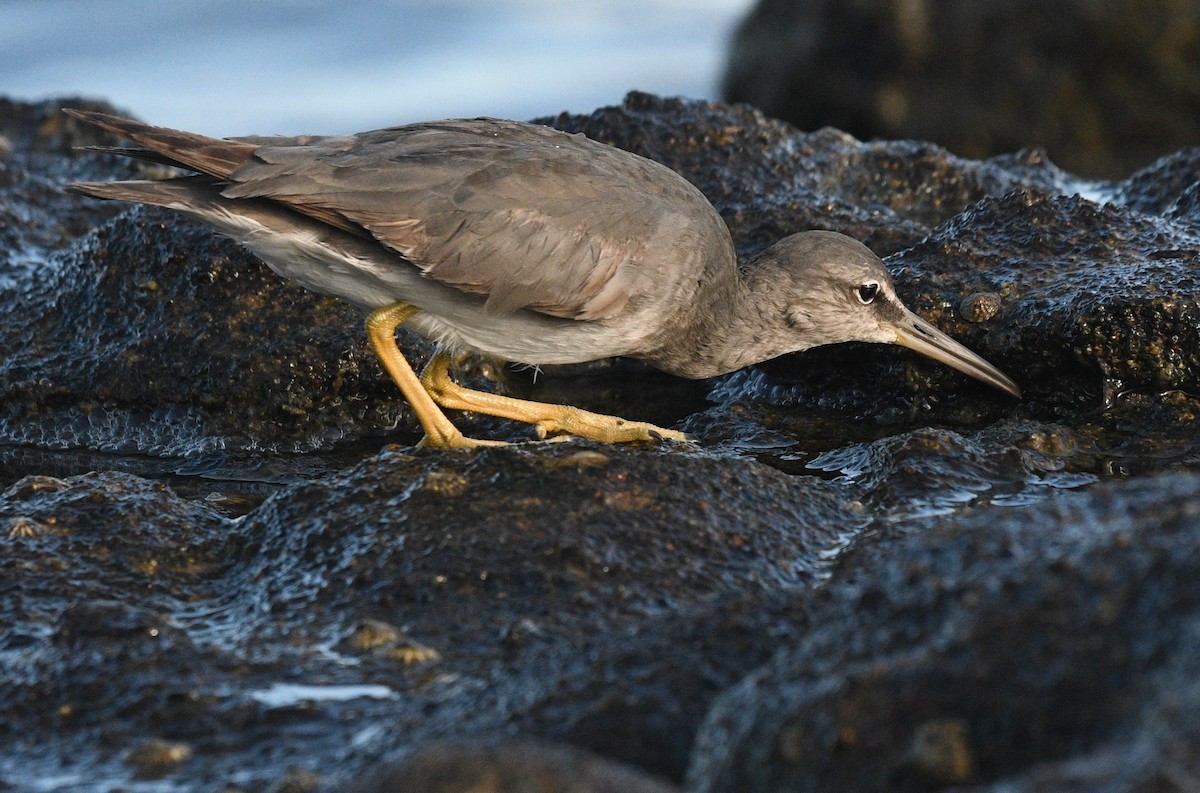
917 334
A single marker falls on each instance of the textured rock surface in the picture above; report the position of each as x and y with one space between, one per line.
36 215
435 594
1106 87
868 562
517 768
1029 649
151 334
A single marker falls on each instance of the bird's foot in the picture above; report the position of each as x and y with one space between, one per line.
547 419
603 428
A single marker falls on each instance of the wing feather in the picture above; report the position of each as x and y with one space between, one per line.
526 216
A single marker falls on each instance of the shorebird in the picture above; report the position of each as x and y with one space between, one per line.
524 244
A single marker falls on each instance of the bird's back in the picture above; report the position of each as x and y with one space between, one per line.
521 215
525 215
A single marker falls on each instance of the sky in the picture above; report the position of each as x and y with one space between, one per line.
235 67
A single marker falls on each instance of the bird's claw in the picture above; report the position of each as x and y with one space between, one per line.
664 435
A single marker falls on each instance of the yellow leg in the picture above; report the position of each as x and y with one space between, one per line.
546 418
381 331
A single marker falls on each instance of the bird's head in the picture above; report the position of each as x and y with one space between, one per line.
828 288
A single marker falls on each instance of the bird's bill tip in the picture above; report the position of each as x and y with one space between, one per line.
918 335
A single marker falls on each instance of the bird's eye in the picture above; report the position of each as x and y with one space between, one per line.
866 293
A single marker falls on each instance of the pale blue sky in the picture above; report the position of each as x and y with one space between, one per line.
228 67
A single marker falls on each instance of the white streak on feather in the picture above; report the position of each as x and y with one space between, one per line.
328 264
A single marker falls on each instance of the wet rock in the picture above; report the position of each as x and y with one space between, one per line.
1106 88
940 753
518 576
642 699
91 609
769 180
36 216
99 650
152 334
515 768
295 618
1155 188
115 531
385 640
156 757
1100 296
1009 648
1095 298
298 781
555 536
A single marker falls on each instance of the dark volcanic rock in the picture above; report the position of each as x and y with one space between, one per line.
894 536
1084 301
153 334
1106 87
457 589
1158 186
1030 649
641 700
1082 289
516 768
95 572
768 180
36 215
548 536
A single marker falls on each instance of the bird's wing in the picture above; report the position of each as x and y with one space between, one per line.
525 215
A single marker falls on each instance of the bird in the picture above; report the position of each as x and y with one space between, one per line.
525 244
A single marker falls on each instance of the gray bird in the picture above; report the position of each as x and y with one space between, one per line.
525 244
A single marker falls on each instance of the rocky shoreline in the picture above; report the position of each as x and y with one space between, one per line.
226 568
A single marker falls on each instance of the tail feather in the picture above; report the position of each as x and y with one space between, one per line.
213 156
134 154
184 192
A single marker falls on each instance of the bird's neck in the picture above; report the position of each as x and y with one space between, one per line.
725 331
